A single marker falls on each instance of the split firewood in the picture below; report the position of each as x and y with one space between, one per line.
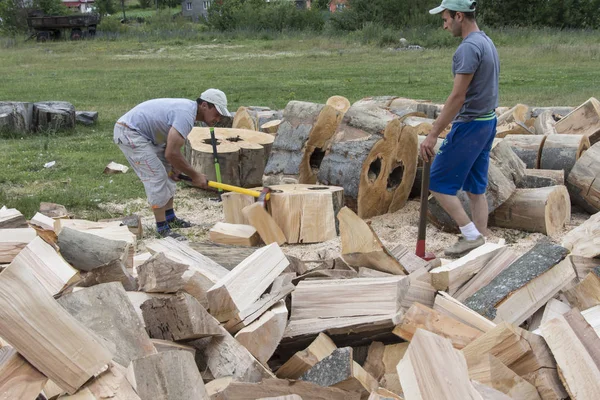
432 369
265 225
584 120
576 354
488 393
421 317
592 316
384 394
420 290
538 178
544 123
11 218
106 310
271 127
586 294
527 284
133 222
226 256
110 384
551 310
56 343
178 317
528 148
242 154
53 272
18 378
138 298
302 139
115 271
348 298
115 168
87 251
42 221
447 305
12 241
373 156
304 213
304 360
583 182
246 283
253 118
492 372
584 240
281 387
516 120
167 345
452 276
54 210
562 152
382 361
583 265
506 170
546 210
186 269
168 375
501 260
339 370
262 336
234 234
362 248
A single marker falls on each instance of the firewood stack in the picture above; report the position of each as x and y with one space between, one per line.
84 318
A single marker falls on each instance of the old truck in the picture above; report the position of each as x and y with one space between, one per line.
76 26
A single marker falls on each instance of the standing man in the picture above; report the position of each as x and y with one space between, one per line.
151 136
463 159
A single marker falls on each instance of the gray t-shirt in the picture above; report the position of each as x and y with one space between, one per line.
153 118
477 55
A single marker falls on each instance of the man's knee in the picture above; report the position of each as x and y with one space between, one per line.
473 196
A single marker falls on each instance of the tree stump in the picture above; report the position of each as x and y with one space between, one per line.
563 151
528 148
506 171
544 210
584 180
253 117
242 154
53 115
584 120
16 117
373 156
302 139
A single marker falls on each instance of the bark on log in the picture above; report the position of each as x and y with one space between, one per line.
53 115
545 210
505 171
563 151
374 158
584 180
242 154
253 117
584 120
539 178
301 142
528 148
16 117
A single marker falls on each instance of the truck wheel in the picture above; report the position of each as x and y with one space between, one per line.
43 36
76 34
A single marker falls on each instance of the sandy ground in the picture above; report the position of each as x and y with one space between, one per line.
400 227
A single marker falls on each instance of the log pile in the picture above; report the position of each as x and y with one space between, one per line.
373 323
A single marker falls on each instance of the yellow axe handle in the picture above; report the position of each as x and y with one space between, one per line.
230 188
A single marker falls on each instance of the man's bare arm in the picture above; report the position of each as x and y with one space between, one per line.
173 155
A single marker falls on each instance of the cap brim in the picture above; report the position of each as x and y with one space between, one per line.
437 10
223 111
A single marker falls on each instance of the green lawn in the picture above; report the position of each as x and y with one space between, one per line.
112 76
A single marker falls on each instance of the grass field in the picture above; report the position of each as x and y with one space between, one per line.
112 76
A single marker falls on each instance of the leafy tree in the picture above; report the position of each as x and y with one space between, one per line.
146 3
106 7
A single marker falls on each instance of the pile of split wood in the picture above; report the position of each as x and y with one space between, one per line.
24 118
86 317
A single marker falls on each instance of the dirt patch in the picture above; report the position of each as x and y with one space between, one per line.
400 227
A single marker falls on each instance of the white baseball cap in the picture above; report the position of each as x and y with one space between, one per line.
218 98
455 5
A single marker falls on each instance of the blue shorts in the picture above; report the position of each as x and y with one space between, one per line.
463 159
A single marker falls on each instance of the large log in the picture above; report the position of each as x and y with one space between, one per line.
506 170
562 152
253 117
538 178
373 156
45 334
545 210
302 140
242 154
53 116
304 213
16 117
584 120
528 148
584 180
106 310
585 239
